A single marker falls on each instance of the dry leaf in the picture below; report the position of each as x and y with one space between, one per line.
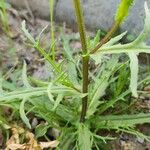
51 144
16 147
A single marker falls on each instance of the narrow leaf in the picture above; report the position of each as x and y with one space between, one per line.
134 73
23 115
26 32
84 138
24 76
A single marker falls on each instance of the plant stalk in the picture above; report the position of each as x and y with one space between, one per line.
52 28
85 57
107 37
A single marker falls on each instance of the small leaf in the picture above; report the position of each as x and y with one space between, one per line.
26 32
51 97
23 115
58 100
41 130
115 39
24 76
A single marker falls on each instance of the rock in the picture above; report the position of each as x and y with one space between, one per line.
99 14
39 9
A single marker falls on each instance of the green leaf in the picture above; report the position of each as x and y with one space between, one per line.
134 73
131 49
123 10
115 39
26 32
23 115
58 100
24 76
121 121
100 85
71 64
51 97
41 130
84 138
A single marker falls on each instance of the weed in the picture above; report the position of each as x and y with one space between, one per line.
3 16
78 101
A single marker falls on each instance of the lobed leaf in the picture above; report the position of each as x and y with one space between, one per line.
133 48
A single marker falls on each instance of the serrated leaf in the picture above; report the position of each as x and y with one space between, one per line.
135 47
26 32
22 113
100 85
121 121
84 138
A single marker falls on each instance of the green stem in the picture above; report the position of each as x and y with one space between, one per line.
51 5
85 57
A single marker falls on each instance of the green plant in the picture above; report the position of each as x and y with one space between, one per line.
3 16
51 5
79 101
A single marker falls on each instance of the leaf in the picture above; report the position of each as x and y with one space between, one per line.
41 130
71 64
115 39
24 76
121 121
26 32
51 144
51 97
122 10
23 115
84 138
131 49
58 100
100 85
137 46
93 42
134 73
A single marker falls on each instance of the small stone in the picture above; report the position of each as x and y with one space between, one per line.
140 140
34 122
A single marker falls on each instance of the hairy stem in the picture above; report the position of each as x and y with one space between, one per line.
107 37
85 57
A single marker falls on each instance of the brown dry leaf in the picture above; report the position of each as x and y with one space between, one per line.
14 142
15 146
32 144
52 144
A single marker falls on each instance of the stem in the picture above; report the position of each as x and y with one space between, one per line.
85 57
107 37
51 6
